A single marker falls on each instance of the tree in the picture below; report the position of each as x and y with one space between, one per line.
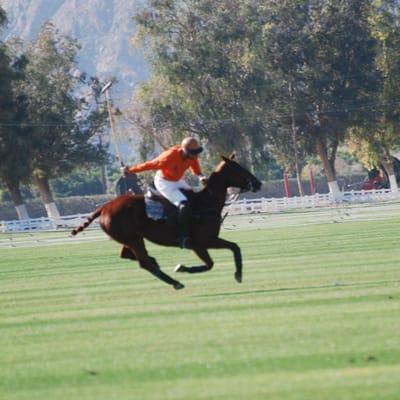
323 54
62 109
3 17
282 48
81 182
382 132
206 80
14 147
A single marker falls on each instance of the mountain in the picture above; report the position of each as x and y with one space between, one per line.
103 27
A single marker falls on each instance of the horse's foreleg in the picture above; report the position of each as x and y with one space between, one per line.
204 256
219 243
150 264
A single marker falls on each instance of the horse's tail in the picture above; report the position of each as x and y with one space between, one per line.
89 220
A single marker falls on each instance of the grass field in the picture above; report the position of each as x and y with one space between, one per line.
317 317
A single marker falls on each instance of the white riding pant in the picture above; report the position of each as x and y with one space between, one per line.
171 189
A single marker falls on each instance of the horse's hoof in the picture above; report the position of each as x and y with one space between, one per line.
180 268
238 278
178 286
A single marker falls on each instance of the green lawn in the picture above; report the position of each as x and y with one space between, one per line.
317 317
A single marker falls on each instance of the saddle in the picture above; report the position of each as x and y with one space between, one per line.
157 206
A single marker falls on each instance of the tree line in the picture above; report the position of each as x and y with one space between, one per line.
284 80
51 114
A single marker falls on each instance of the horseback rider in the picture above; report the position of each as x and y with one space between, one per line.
171 166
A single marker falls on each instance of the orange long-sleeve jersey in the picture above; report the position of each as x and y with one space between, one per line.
171 163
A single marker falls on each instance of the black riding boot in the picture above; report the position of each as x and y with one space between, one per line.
184 217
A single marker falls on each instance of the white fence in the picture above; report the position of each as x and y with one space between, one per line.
43 224
244 206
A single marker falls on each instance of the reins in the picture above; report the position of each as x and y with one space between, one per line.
233 200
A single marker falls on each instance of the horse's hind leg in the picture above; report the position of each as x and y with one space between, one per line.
204 256
126 252
150 264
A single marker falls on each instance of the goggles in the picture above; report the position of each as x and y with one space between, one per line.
193 152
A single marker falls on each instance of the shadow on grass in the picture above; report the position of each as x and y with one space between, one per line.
335 285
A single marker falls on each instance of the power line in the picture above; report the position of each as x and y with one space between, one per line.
33 124
347 109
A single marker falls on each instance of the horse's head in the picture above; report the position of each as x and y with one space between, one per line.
236 176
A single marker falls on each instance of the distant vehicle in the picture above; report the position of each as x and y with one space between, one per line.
375 180
378 178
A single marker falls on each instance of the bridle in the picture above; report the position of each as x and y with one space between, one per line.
249 185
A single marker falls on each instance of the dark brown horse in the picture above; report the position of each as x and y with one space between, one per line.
125 220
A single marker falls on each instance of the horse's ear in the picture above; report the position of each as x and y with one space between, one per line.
232 156
224 158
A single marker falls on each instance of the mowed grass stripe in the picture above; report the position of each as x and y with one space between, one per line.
317 316
299 326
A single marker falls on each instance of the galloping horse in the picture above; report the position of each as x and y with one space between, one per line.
124 219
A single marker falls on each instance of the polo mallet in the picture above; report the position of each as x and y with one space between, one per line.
104 91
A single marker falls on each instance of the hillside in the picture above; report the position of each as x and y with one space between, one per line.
103 27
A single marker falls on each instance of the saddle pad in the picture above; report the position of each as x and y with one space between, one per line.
154 209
